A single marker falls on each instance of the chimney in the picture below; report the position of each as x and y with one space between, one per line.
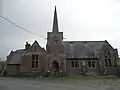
27 45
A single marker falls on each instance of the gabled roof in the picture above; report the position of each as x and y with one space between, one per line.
36 43
82 49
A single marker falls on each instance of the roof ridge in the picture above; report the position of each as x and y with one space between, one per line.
36 43
84 41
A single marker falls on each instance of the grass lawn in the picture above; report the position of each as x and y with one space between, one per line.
86 78
91 77
74 78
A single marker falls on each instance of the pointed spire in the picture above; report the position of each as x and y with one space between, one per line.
55 22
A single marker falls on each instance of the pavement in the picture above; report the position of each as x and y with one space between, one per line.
26 84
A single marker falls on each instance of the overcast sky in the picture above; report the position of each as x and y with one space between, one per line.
78 19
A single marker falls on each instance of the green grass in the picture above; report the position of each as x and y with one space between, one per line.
90 77
67 78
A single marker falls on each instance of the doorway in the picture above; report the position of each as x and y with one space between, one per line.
55 68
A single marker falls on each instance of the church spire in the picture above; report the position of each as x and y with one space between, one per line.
55 28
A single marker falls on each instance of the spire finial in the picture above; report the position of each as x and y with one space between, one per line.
55 22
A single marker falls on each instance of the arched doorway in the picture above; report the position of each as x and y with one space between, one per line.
55 68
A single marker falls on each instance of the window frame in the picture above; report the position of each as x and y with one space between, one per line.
91 64
74 64
107 59
35 61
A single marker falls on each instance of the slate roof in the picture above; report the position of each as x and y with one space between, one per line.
16 56
73 49
82 49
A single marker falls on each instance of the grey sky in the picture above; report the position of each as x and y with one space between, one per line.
78 19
